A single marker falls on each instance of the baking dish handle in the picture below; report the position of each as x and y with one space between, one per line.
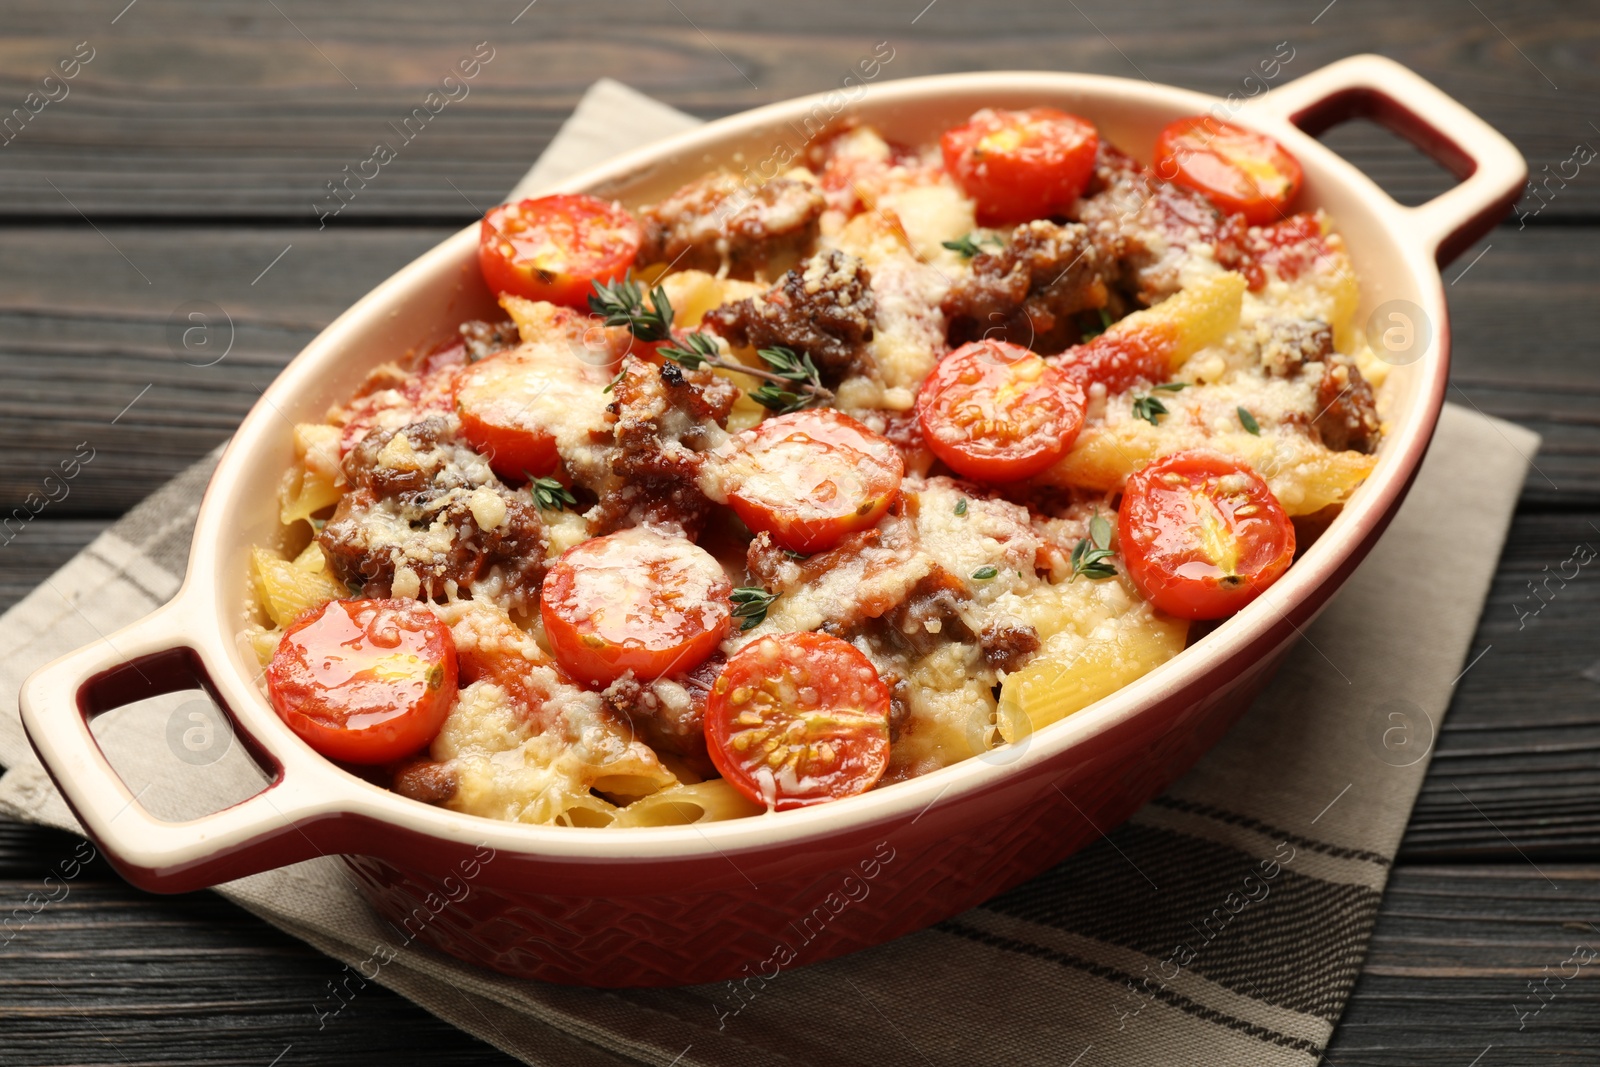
282 824
1491 170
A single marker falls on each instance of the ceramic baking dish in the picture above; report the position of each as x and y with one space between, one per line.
695 903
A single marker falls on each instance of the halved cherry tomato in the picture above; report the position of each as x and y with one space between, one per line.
636 600
1241 171
1202 535
997 412
515 404
1289 246
556 247
798 718
808 478
1119 359
365 681
1021 165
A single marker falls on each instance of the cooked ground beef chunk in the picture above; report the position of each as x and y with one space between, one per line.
1142 225
1347 418
823 308
424 510
1029 292
718 221
1347 410
1008 645
484 339
425 780
662 417
1288 344
931 615
668 714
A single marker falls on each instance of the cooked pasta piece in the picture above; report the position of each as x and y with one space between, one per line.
289 589
680 805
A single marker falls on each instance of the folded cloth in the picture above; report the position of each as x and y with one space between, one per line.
1224 924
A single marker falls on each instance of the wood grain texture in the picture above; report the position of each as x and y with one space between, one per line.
232 107
1447 973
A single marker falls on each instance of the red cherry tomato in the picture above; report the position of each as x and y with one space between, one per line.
808 478
1119 360
636 600
998 413
365 681
515 404
555 248
798 718
1021 165
1202 535
1241 171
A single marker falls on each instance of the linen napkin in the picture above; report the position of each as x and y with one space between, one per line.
1224 924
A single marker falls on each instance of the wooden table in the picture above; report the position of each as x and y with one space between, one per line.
184 164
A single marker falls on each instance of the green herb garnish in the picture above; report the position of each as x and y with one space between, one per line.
621 374
549 494
622 303
750 604
1151 409
983 574
1090 554
961 506
792 380
967 247
1248 421
697 350
788 366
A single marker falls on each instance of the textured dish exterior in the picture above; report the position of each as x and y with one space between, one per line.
691 904
927 871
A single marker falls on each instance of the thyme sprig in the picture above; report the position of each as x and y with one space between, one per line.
750 605
622 303
792 381
1088 558
1150 408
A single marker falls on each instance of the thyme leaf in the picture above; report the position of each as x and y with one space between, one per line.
1090 554
1149 409
750 605
1248 421
549 494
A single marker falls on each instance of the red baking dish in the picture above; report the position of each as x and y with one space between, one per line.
672 905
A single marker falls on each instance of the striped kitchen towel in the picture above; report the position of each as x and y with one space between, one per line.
1224 924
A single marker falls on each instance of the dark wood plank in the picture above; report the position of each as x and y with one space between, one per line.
84 338
124 978
1447 974
1517 766
226 109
